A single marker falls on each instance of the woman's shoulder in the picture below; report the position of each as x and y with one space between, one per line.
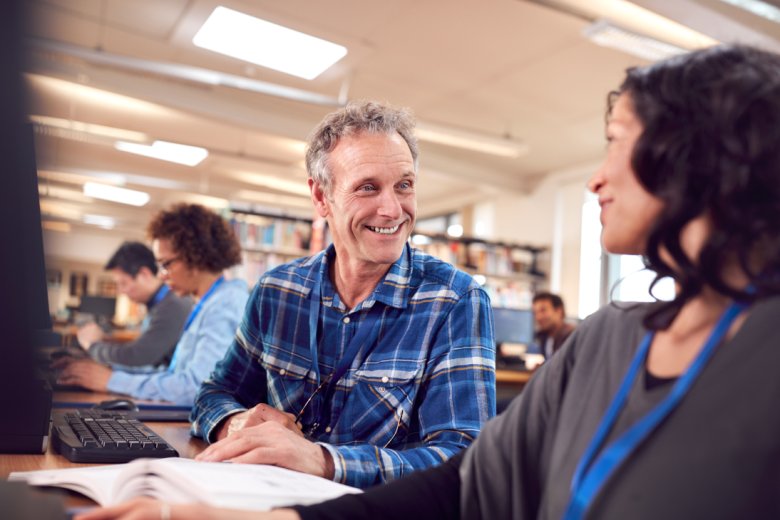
232 290
617 312
617 323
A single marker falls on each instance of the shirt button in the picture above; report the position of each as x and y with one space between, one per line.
282 372
385 379
328 429
346 320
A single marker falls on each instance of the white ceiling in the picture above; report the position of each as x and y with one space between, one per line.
503 68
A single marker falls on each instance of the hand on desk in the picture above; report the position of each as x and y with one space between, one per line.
259 414
149 509
83 372
89 334
265 435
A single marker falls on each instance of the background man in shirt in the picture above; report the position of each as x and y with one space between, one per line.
366 361
134 269
551 330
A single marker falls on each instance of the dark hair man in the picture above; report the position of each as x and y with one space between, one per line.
551 329
134 271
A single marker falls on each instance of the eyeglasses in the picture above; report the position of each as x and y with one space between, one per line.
164 265
310 429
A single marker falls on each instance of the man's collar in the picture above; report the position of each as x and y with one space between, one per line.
392 290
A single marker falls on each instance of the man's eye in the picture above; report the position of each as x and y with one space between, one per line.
366 187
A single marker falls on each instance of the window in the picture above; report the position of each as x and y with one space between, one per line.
605 277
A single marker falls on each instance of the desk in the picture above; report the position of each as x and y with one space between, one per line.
509 383
177 434
68 333
513 377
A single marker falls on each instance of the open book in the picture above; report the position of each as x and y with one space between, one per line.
220 484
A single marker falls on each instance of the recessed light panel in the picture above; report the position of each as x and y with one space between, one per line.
267 44
166 151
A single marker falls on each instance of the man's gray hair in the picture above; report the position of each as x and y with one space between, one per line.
357 117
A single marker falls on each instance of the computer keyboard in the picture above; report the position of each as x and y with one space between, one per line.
105 436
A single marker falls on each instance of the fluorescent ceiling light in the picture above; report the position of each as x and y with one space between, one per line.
115 194
503 147
273 199
165 151
758 8
273 182
59 192
100 221
606 34
215 203
263 43
88 128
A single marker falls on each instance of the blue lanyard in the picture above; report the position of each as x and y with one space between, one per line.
198 306
193 314
158 296
592 471
362 338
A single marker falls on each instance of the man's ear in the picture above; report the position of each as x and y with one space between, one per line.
144 272
318 198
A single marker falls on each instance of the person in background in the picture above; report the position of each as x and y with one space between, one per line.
650 410
134 271
193 247
370 359
551 329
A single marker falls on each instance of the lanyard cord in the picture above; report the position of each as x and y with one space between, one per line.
193 314
158 296
364 336
592 472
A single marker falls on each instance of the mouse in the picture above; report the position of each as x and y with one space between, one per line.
117 404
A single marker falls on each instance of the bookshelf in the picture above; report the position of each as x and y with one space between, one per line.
510 273
270 239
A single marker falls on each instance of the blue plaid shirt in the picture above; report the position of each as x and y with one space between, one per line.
418 394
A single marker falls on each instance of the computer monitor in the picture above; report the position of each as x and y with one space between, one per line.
515 326
25 401
102 308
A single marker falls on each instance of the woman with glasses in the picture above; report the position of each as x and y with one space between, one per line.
662 410
193 246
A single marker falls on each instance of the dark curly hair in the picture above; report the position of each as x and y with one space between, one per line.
200 237
711 145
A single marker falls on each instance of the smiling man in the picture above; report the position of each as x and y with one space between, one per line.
370 359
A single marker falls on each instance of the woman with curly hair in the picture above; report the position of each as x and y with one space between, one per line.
662 410
193 246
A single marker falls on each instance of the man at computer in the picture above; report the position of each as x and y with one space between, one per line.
551 327
134 271
370 359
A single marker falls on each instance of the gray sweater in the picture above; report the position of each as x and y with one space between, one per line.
716 456
156 343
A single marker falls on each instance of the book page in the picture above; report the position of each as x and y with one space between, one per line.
222 484
244 486
95 482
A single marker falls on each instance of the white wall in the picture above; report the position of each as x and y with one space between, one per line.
551 216
80 252
82 246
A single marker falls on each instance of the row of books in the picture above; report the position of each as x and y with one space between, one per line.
255 232
490 260
255 265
